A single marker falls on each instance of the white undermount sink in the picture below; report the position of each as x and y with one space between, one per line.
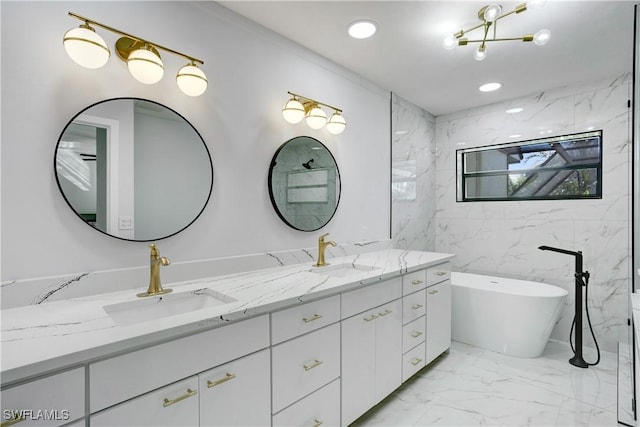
160 306
343 270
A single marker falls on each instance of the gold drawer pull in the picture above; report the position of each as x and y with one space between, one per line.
228 377
317 423
417 306
315 363
312 318
433 292
416 334
441 273
370 318
187 395
416 361
18 416
417 282
384 313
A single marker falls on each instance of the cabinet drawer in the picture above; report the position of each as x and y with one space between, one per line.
363 299
438 273
225 390
413 333
60 395
415 281
304 318
173 405
304 364
322 408
414 306
123 377
413 361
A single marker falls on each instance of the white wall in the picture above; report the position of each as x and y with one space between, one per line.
249 71
501 238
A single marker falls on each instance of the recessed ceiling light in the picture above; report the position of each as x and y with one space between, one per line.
401 132
490 87
362 29
514 110
517 135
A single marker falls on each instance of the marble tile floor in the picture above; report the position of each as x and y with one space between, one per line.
470 386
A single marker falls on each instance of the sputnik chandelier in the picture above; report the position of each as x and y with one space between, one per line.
490 15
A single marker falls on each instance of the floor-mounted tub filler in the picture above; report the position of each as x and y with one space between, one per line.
509 316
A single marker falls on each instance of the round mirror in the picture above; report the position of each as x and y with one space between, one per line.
133 169
304 183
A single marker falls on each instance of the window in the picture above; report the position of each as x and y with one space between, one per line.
562 167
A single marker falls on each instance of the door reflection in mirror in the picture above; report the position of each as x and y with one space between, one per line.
134 169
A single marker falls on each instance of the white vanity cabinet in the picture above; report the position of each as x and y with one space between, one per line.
237 393
51 401
173 405
438 310
414 303
371 346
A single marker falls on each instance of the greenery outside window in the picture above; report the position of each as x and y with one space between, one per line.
561 167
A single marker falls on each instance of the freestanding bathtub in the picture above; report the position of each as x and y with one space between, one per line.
509 316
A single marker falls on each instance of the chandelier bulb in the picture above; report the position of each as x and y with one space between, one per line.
449 42
480 54
492 12
542 37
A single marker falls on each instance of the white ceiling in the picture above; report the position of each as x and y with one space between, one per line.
590 40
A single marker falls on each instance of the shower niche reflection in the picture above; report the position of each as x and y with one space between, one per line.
133 169
304 183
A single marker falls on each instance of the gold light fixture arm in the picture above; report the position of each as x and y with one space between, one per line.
88 21
313 101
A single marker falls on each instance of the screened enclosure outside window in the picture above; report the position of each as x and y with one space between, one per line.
562 167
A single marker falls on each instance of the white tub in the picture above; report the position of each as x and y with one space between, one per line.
509 316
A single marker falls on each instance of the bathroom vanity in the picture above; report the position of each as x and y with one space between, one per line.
294 345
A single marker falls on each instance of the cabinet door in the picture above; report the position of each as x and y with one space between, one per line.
438 319
388 349
358 364
243 383
50 401
172 405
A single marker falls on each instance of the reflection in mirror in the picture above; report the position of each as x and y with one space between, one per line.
133 169
304 183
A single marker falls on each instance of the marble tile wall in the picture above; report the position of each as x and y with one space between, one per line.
413 176
501 238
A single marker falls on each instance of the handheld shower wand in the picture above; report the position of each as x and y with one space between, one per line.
581 279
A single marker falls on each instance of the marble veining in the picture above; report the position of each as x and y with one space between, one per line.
43 337
470 386
501 238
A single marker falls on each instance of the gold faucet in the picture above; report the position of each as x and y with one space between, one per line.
156 261
322 245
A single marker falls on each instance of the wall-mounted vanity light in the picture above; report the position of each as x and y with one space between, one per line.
300 107
89 50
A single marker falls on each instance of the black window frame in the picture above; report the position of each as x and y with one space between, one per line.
462 175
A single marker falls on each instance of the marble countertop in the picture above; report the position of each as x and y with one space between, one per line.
37 339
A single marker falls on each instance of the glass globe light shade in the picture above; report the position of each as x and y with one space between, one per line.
536 4
492 12
316 118
85 47
293 111
542 37
191 80
449 42
479 54
145 66
336 123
